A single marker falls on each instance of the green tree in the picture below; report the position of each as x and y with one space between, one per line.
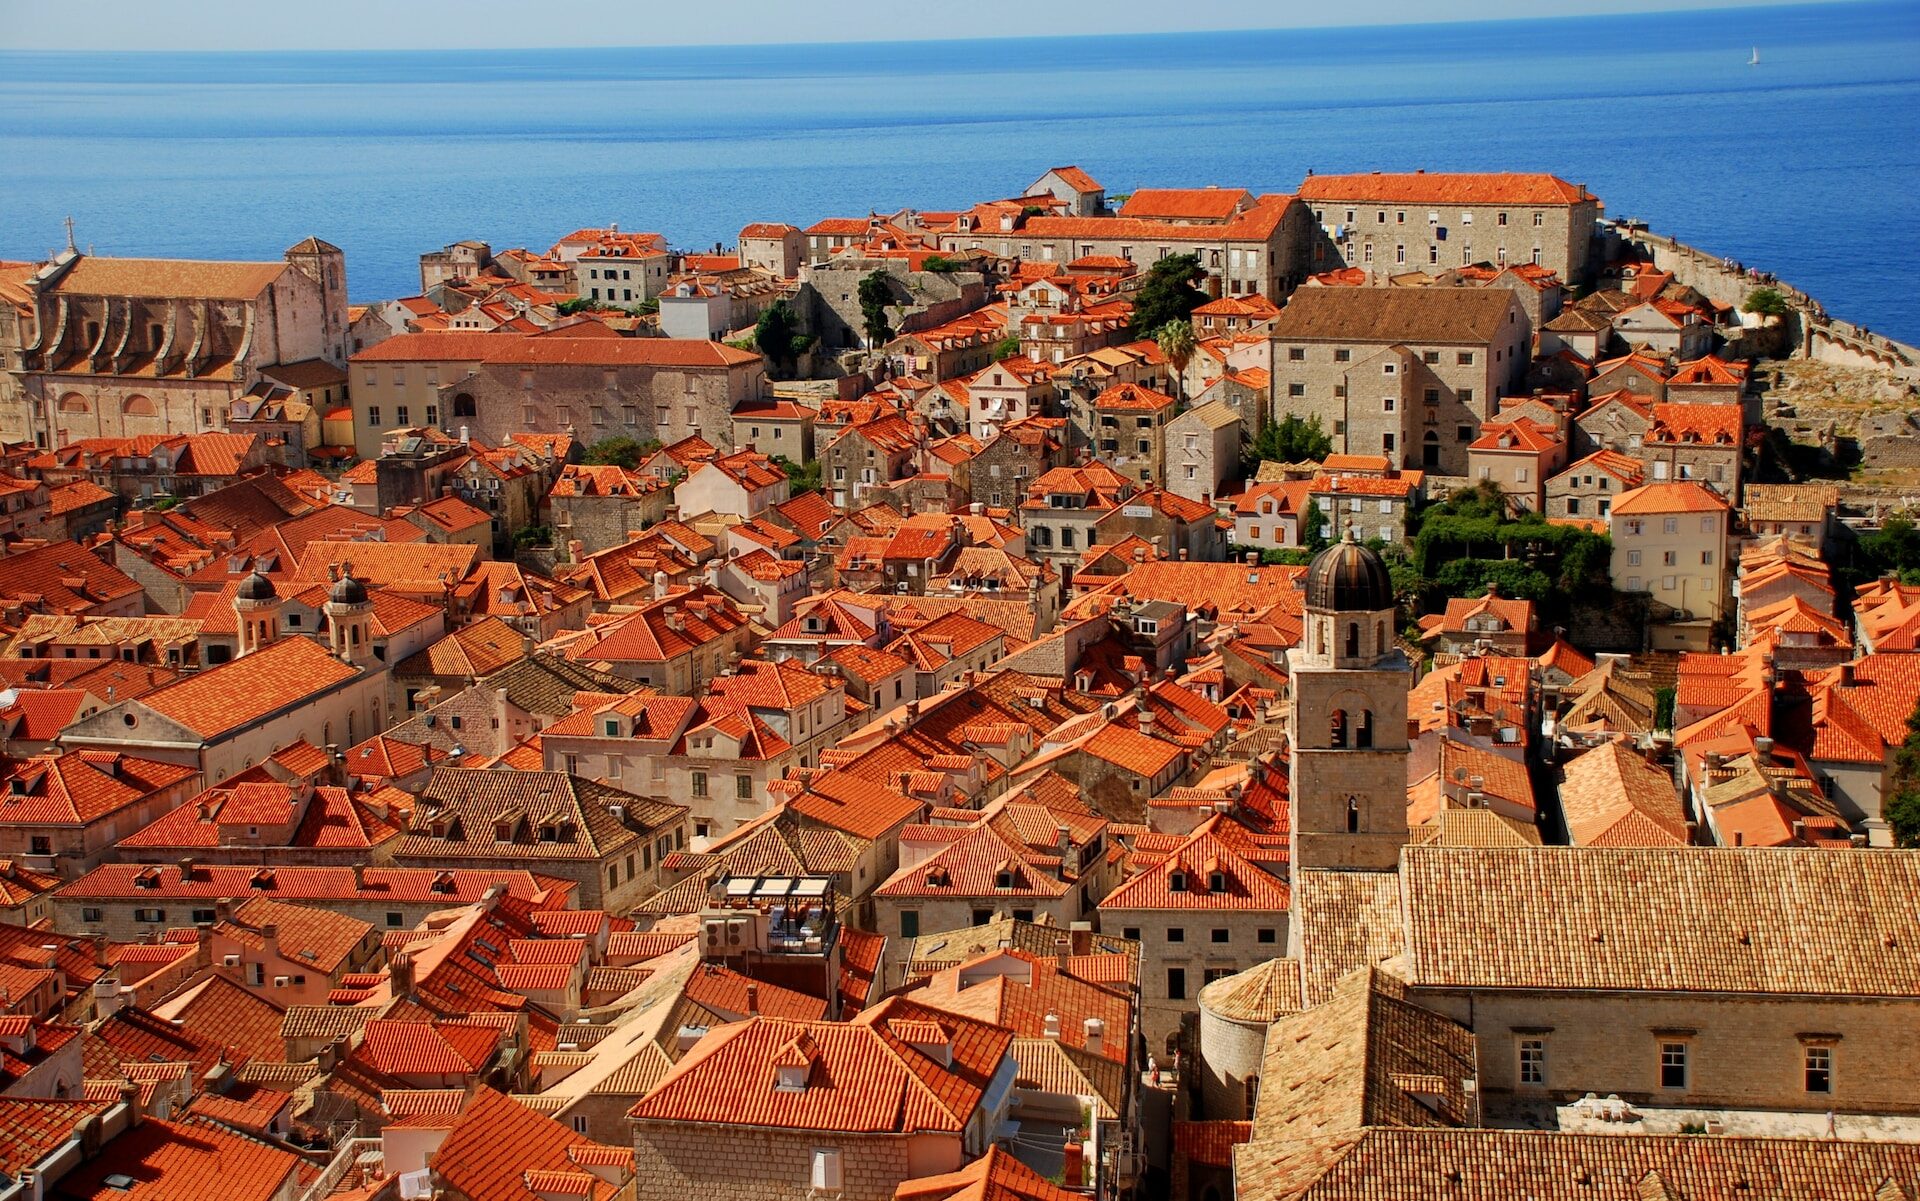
1292 439
1313 527
774 335
1167 294
801 477
1902 806
1177 343
1006 347
617 451
939 264
1765 302
876 293
533 535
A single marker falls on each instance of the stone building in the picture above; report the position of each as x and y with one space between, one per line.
1261 245
773 247
1348 723
127 347
605 506
1202 451
1409 373
1023 451
842 1109
493 385
1421 221
1670 541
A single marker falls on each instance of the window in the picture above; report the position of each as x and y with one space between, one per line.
579 1121
1539 219
373 416
396 920
1266 934
400 414
1533 1061
1819 1062
1633 558
1296 389
1706 558
699 783
1386 404
1343 355
743 788
204 917
1670 525
42 844
1673 1065
1433 254
149 915
1464 433
90 914
1400 252
1176 933
1221 934
909 923
257 974
1176 984
1296 354
1386 368
982 916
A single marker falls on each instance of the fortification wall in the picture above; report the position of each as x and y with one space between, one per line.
1809 328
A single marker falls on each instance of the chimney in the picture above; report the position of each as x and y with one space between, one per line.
186 868
1763 746
659 585
359 878
400 975
576 550
108 997
270 935
1096 1035
1846 675
223 909
753 997
1146 719
1050 1026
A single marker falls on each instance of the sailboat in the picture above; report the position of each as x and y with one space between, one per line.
1755 60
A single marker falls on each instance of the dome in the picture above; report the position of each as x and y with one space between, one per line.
256 587
1349 578
347 591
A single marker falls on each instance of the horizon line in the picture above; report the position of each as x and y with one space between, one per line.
1700 6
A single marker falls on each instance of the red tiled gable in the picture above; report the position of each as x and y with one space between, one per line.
1210 848
1683 496
498 1148
170 1161
79 787
860 1077
1442 188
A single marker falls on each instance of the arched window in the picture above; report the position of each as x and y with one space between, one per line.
1353 639
138 406
1380 639
1363 733
73 402
1353 815
463 406
1337 730
353 634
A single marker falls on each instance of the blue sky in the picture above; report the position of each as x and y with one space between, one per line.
382 24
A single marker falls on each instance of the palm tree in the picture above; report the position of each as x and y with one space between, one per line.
1176 342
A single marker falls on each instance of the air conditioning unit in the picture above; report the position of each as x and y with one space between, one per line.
281 981
737 933
716 932
229 961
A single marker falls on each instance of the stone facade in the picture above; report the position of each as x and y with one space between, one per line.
493 386
674 1161
1396 223
126 347
1407 373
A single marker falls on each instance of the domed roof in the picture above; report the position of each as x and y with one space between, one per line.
347 591
256 587
1349 578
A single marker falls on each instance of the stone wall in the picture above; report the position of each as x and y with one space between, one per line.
1744 1051
679 1161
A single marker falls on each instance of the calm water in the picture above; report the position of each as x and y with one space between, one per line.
1806 165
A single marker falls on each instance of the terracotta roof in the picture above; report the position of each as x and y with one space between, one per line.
1211 850
548 350
1422 187
859 1077
1663 920
1385 1164
1386 314
996 1176
183 278
169 1160
1678 496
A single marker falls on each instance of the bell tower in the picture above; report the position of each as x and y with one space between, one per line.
1348 726
256 613
349 619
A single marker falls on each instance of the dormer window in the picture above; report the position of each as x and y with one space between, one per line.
613 727
790 1078
1216 881
1003 878
1177 881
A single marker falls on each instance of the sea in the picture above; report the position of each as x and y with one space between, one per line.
1806 165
